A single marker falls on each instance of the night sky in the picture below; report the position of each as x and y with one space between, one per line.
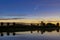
30 8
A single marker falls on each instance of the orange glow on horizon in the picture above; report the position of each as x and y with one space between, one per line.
32 20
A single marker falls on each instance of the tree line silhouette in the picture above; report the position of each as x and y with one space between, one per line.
19 26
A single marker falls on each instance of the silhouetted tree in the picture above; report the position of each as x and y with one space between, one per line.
14 23
8 24
50 25
42 23
37 25
2 23
57 24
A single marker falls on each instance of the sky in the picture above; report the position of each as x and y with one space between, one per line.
30 8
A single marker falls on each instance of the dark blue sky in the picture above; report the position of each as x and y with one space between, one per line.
30 8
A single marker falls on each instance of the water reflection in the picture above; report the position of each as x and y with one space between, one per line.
42 31
35 35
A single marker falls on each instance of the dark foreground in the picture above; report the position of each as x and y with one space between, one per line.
17 27
44 31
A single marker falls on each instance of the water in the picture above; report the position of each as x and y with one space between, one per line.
32 36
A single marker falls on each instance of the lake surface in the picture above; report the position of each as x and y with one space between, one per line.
54 35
